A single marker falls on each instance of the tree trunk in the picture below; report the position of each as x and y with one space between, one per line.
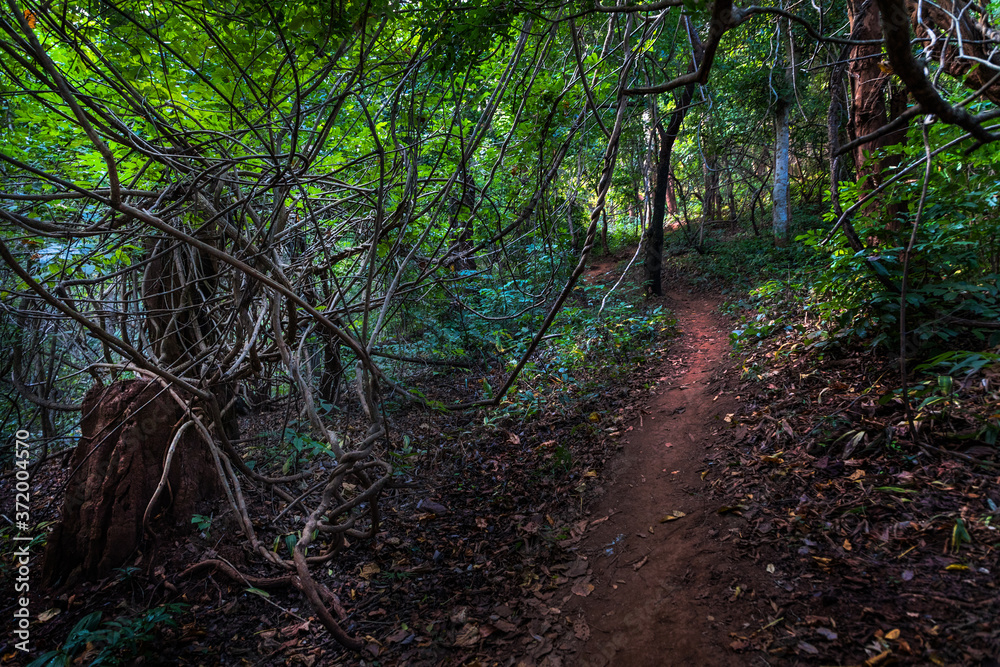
731 193
671 198
710 210
333 370
869 110
780 196
654 232
663 194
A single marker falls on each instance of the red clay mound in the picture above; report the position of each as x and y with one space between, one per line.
127 428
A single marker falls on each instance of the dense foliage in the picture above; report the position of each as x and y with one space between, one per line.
245 203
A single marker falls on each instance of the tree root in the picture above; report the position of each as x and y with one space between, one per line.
315 593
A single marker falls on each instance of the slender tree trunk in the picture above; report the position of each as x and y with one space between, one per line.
654 232
780 196
712 209
663 193
753 210
781 204
731 193
332 370
669 137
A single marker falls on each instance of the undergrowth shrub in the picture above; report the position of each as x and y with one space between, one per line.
598 336
954 269
738 263
114 642
587 349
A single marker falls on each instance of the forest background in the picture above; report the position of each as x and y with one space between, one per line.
357 208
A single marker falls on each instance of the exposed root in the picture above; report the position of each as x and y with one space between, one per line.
226 568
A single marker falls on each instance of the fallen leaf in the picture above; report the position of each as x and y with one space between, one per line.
581 630
398 636
827 632
907 575
431 506
590 473
847 545
370 570
296 628
770 568
644 560
504 626
879 659
806 647
856 475
594 417
481 522
468 635
673 516
957 567
892 634
49 614
583 588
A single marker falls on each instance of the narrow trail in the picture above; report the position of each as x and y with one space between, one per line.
664 592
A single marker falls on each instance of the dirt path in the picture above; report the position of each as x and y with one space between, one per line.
666 593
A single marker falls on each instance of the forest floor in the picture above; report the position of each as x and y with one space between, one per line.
703 509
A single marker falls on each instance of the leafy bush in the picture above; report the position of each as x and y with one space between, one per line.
954 269
111 643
